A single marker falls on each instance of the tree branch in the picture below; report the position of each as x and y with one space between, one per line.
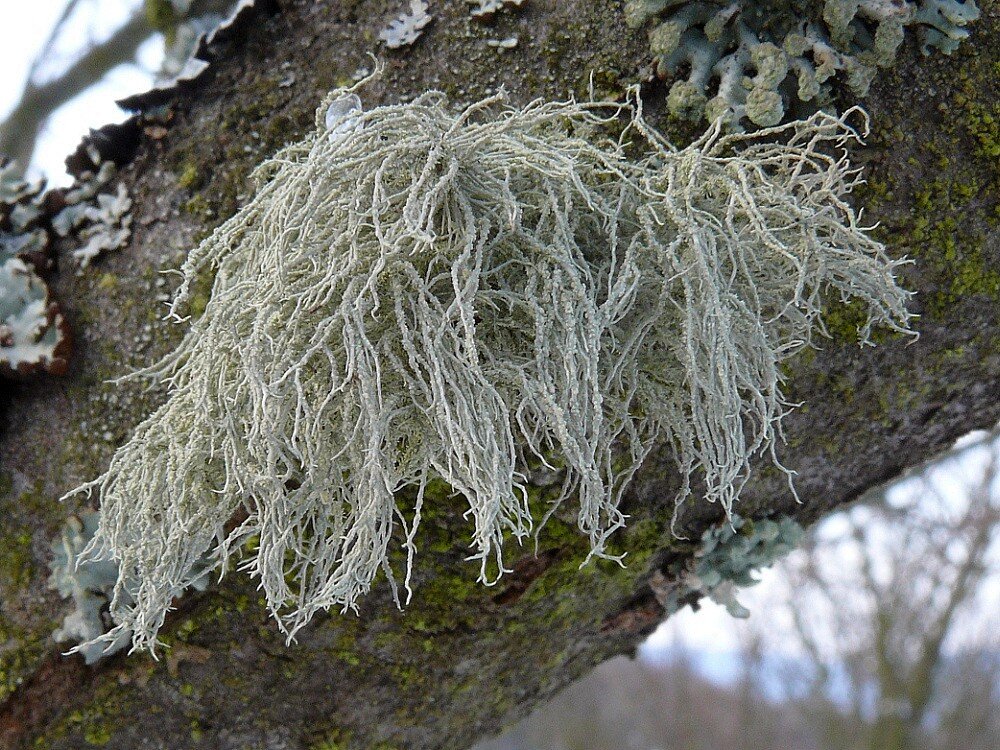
464 659
46 49
19 132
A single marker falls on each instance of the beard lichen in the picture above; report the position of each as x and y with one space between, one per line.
416 293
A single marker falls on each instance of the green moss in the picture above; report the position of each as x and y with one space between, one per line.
34 502
952 250
981 119
190 177
107 282
162 17
214 617
185 629
201 292
16 562
974 277
336 739
408 677
199 207
843 320
20 653
98 725
939 210
97 735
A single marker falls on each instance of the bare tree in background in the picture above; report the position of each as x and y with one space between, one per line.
902 646
890 606
181 22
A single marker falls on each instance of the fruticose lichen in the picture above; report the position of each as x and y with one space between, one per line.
757 60
416 292
91 585
729 556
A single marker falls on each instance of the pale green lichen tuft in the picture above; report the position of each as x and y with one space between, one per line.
417 293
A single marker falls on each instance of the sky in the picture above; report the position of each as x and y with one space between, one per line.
25 29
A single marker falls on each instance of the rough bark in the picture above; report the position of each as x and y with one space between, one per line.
463 660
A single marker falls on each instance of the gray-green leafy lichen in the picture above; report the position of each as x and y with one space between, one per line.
729 556
32 330
407 27
34 336
486 9
89 584
754 60
187 25
101 219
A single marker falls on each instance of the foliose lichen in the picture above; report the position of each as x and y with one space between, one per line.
405 29
484 10
186 24
33 333
757 60
85 218
89 585
727 560
109 225
34 336
99 218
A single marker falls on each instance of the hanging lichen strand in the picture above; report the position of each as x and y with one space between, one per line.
416 293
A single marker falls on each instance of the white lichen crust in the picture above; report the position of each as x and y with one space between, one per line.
457 295
762 57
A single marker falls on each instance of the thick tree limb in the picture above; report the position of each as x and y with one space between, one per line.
464 659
